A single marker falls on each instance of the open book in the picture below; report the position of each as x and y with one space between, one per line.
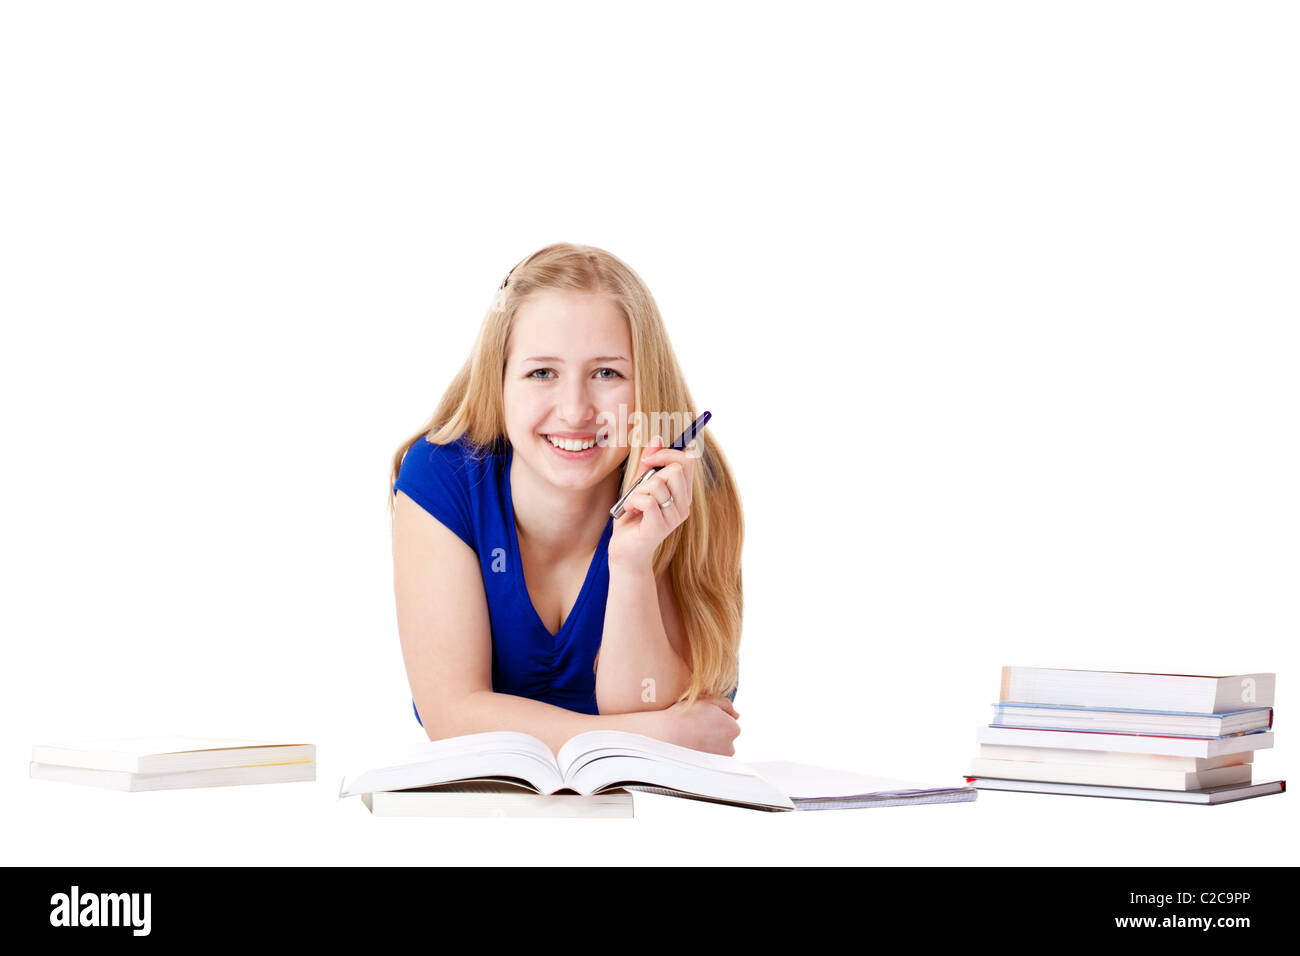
602 760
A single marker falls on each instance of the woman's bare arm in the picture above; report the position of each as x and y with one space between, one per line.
446 635
643 654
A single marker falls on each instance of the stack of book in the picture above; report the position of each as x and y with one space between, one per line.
1175 737
171 763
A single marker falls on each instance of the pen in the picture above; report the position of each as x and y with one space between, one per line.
684 439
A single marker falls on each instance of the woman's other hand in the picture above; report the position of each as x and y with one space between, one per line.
711 724
645 522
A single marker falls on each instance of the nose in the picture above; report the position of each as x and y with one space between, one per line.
576 408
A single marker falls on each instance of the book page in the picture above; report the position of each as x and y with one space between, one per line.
595 743
495 741
802 781
505 753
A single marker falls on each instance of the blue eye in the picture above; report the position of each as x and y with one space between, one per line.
614 373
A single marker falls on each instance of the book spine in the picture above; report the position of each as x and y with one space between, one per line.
1038 685
1112 758
1202 747
1110 776
1187 692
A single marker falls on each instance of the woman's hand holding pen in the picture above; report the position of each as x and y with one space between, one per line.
659 505
651 513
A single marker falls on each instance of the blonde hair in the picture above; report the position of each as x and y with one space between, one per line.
702 554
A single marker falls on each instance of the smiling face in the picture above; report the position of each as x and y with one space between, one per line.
568 369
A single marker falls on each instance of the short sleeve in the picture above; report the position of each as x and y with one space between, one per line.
434 477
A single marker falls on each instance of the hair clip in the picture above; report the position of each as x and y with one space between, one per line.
499 302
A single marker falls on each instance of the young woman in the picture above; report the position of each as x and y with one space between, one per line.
521 603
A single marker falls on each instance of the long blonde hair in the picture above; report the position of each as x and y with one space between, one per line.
702 554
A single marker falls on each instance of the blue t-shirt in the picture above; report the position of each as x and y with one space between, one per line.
471 496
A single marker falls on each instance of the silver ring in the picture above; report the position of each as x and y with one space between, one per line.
665 504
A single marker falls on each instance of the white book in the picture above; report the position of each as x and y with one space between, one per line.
1119 721
1208 796
170 754
495 798
1110 776
602 760
1131 743
185 779
1103 758
1189 693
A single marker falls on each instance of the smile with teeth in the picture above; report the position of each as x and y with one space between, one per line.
571 444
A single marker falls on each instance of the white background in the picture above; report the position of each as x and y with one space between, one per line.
995 306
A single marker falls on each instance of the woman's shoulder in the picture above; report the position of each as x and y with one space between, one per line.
458 463
458 451
447 480
423 451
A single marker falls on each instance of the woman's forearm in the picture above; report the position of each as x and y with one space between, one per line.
635 648
483 711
